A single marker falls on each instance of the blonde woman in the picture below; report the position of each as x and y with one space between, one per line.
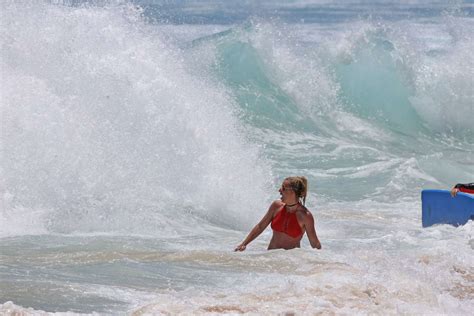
289 218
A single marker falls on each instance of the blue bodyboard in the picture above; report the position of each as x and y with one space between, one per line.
439 207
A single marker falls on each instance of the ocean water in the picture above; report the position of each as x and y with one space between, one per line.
142 140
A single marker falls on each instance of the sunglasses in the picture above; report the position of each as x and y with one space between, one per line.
286 188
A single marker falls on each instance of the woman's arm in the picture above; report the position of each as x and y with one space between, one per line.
461 187
260 227
311 231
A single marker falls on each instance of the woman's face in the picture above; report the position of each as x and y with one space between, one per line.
285 190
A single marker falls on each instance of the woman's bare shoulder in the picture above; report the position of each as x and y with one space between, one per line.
277 204
303 209
274 207
305 213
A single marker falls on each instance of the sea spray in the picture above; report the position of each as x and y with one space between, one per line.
105 129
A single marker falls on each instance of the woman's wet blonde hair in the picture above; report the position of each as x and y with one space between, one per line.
300 186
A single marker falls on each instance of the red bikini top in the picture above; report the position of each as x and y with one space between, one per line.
471 191
286 222
465 187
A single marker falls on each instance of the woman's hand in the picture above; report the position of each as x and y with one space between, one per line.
240 247
454 191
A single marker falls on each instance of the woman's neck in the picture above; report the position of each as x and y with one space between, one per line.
291 203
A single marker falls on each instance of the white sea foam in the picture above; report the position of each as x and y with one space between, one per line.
101 120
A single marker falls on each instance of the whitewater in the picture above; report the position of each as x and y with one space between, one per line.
142 140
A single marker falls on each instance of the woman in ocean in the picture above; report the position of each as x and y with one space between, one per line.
463 187
289 218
